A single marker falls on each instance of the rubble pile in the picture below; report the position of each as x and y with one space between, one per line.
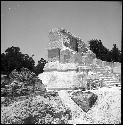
107 109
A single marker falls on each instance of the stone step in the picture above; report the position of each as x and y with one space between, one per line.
106 78
111 81
100 69
110 78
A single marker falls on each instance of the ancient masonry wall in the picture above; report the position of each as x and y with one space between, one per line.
54 55
60 39
65 53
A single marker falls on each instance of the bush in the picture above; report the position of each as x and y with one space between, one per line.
22 83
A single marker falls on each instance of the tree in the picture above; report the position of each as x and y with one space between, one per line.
116 54
103 53
97 47
28 62
14 59
3 63
40 66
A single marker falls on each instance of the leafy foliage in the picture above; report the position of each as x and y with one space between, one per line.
103 53
14 59
22 83
40 66
116 54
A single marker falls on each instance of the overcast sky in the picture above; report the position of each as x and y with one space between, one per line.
26 24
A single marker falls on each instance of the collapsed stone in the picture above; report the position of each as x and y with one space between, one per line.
85 100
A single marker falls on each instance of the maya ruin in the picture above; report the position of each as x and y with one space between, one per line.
73 68
71 64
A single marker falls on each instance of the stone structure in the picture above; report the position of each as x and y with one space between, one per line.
66 54
65 47
69 61
54 55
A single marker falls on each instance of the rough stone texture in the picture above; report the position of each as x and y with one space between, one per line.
70 41
60 38
58 80
60 66
68 54
54 55
78 58
78 67
55 39
107 109
67 80
84 99
65 56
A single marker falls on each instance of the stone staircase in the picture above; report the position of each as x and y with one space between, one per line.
109 79
100 70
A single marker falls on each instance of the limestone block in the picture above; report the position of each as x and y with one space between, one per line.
60 79
54 54
85 100
65 56
78 58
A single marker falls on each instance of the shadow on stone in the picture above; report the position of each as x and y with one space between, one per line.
85 100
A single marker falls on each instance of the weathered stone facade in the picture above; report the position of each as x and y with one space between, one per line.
54 55
70 61
71 48
65 53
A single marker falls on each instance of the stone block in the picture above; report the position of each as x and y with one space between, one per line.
65 56
78 58
54 54
84 99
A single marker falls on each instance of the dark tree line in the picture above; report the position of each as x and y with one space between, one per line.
113 55
13 58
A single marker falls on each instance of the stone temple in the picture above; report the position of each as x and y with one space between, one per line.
71 63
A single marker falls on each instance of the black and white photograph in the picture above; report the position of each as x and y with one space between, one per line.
61 62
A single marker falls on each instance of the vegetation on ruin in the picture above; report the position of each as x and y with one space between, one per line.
25 101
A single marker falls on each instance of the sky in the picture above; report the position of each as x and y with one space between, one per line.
26 24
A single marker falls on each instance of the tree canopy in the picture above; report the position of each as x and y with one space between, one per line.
103 53
40 66
13 58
